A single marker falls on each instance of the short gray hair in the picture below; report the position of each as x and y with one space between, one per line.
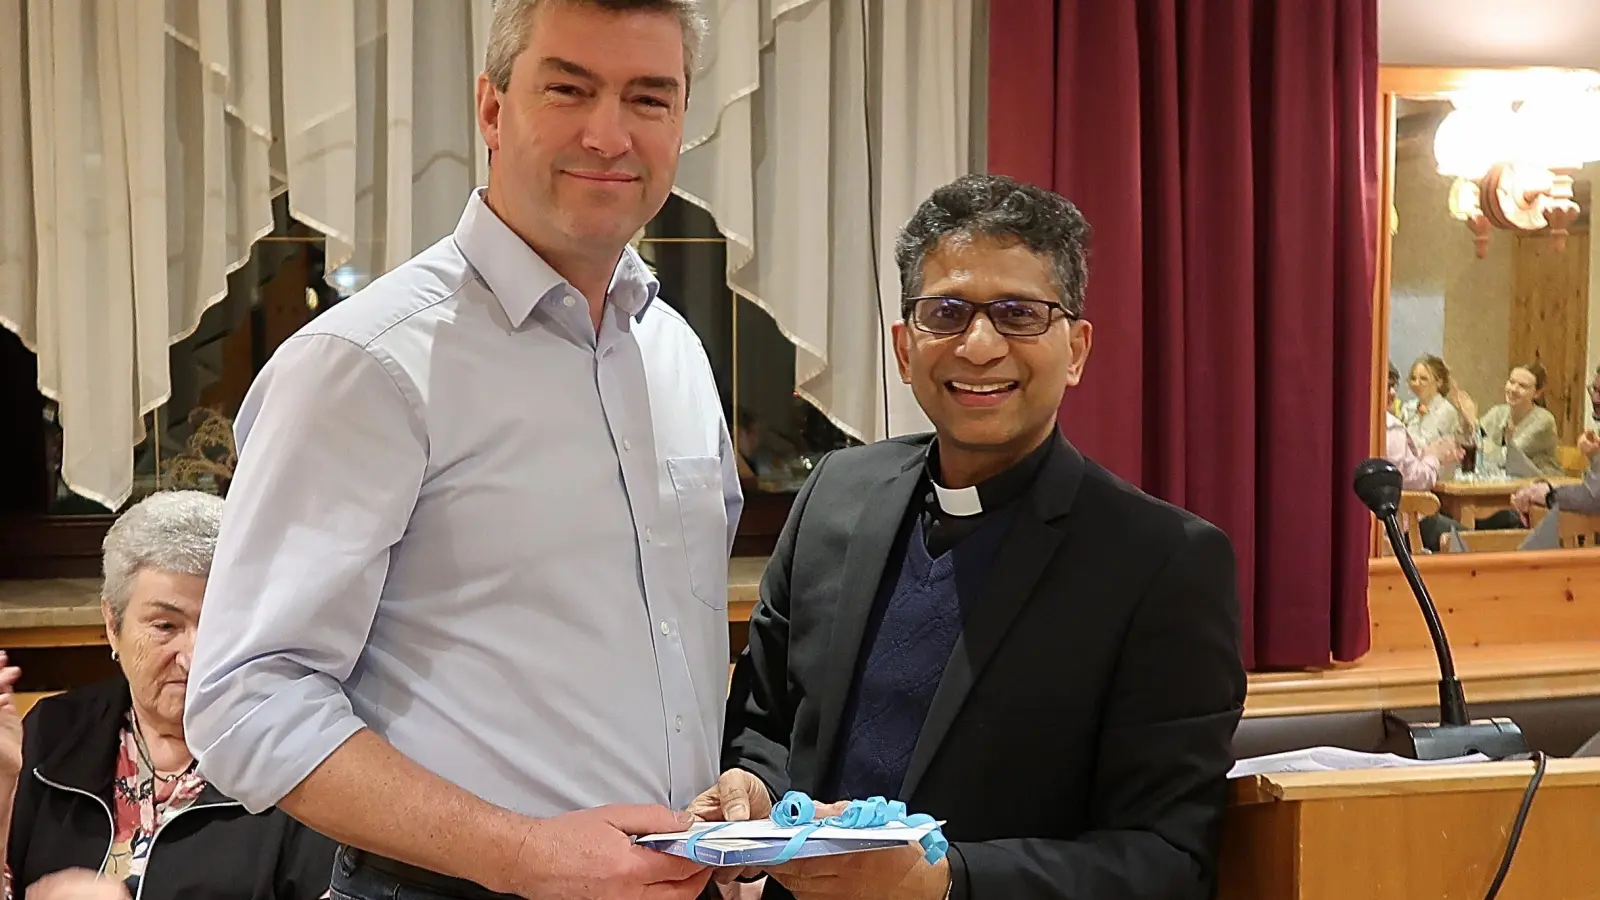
508 32
169 531
1007 210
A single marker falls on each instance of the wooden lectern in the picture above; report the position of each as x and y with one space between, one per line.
1406 834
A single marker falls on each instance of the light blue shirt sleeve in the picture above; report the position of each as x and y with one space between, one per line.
331 459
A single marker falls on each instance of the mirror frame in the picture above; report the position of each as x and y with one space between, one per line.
1395 82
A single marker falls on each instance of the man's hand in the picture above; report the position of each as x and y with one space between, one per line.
899 874
1589 443
738 796
10 723
591 854
76 884
1529 496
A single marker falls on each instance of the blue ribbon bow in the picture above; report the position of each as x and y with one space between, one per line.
797 809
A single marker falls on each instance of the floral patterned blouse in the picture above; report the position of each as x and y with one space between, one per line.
141 804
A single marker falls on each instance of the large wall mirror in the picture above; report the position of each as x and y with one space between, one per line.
1489 302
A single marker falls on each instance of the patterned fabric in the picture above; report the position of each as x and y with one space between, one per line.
141 804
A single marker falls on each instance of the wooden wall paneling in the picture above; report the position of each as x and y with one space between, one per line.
1550 322
1489 599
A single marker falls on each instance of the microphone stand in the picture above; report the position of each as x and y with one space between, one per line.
1455 734
1452 698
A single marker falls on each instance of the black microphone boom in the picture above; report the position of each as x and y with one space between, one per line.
1378 484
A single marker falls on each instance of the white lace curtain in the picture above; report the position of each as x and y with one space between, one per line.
815 129
143 141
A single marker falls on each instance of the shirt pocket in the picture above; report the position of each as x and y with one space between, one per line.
703 519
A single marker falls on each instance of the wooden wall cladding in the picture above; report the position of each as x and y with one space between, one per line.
1550 323
1488 599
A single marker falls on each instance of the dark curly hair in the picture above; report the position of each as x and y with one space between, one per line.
1005 209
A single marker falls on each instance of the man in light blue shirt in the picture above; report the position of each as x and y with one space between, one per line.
470 590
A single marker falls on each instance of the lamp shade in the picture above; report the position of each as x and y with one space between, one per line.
1559 130
1473 138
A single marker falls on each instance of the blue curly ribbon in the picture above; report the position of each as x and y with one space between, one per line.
796 809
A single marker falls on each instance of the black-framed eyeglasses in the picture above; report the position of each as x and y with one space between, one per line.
1013 317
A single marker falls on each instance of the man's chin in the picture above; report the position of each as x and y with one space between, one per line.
979 437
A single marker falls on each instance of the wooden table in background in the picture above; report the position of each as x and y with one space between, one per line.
1405 834
1469 501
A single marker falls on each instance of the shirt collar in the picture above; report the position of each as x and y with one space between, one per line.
993 492
520 279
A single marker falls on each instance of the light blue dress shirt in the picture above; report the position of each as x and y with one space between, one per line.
464 520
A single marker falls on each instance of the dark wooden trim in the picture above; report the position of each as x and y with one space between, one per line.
761 521
52 546
69 546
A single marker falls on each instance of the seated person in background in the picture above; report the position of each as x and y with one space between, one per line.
1521 420
1430 416
1419 469
96 777
984 623
1576 498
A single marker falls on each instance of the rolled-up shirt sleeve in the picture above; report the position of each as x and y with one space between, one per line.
332 454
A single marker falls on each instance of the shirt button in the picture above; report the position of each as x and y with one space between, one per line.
626 444
678 723
568 301
665 628
647 535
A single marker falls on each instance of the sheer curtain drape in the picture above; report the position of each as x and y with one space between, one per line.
143 141
814 130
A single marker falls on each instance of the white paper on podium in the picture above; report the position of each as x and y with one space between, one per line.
1336 759
762 840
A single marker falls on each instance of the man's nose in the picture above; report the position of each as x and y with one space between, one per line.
605 134
982 343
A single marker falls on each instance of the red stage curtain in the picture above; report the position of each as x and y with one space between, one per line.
1226 155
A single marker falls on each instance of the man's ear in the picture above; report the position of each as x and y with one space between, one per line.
1079 345
902 349
488 113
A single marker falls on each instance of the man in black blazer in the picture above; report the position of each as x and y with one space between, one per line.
984 623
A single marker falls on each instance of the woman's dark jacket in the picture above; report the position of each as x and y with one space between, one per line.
61 818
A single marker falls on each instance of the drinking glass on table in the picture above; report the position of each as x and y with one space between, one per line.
1467 440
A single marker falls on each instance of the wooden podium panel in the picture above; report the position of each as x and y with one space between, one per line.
1412 833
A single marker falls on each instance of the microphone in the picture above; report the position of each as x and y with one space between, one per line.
1378 484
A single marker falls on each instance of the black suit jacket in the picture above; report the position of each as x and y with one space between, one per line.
1079 739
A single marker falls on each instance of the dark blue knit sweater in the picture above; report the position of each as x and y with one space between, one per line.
910 634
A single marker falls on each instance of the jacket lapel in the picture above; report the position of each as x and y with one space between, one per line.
871 542
1023 557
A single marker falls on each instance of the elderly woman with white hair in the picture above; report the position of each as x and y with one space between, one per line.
100 792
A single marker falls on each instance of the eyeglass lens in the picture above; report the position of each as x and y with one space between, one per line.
951 315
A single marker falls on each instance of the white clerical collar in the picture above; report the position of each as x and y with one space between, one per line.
958 501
